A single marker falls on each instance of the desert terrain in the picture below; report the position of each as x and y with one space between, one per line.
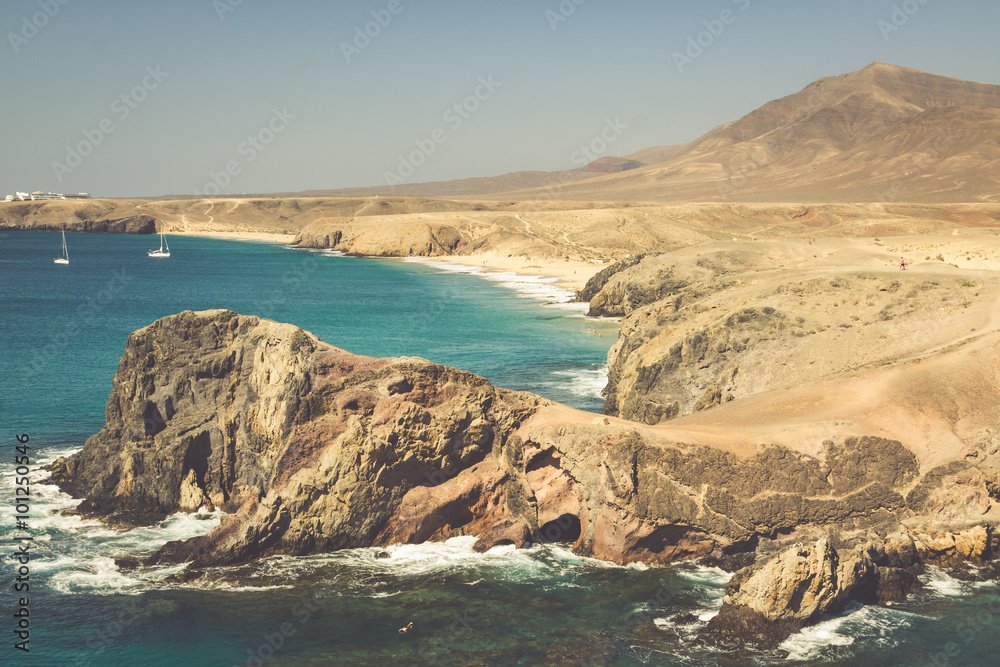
809 353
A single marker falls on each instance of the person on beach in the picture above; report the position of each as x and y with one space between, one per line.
406 628
902 264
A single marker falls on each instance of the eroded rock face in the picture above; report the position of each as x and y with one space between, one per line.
396 239
312 449
767 601
804 582
763 605
134 224
703 327
219 407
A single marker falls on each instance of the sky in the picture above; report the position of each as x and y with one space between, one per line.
132 98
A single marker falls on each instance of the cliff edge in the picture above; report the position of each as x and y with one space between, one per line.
310 449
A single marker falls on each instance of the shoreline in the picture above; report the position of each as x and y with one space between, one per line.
571 276
266 237
568 275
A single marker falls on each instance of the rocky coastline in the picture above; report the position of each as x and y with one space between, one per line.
135 224
310 449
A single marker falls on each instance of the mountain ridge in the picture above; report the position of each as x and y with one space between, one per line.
822 143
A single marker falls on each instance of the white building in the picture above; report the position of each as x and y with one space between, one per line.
39 195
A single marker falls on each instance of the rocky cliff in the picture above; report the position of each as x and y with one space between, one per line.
311 449
399 239
767 602
722 322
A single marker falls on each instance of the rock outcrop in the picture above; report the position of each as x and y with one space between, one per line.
220 409
398 239
310 449
766 602
708 325
135 224
313 449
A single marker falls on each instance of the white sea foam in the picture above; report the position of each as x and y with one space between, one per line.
179 526
77 555
569 558
541 288
709 588
713 576
547 565
50 455
385 594
85 562
94 575
588 382
941 584
869 625
809 642
662 623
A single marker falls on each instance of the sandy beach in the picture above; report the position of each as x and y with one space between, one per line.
267 237
572 275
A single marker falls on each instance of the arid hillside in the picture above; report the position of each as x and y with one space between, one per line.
881 134
793 341
549 230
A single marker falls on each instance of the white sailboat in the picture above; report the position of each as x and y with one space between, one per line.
161 252
65 256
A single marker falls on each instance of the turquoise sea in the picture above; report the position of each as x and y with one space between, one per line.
62 330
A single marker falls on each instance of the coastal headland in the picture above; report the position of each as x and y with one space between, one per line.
839 488
784 399
805 390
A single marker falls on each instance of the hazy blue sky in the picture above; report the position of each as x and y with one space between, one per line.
200 77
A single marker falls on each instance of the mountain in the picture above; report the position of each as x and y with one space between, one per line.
881 134
486 185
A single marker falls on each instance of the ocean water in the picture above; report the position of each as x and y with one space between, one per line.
63 329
